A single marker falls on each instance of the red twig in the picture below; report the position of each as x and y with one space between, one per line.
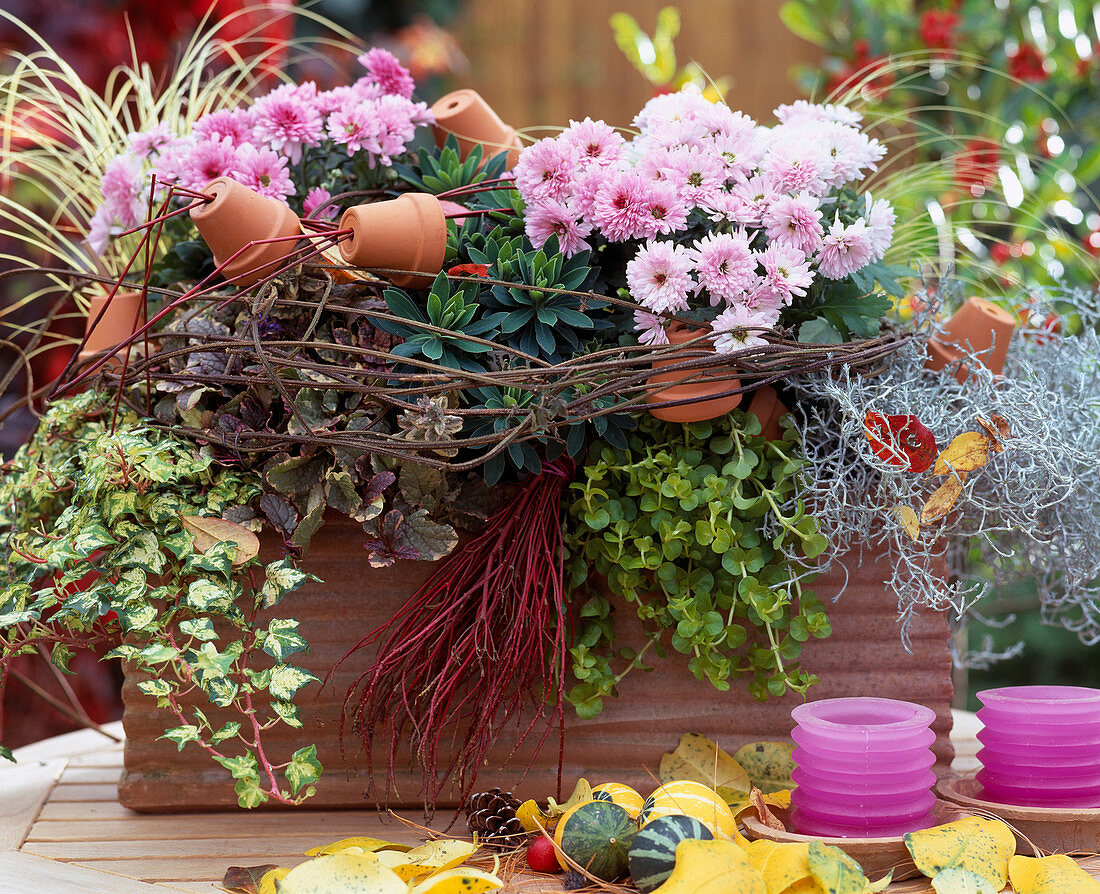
478 653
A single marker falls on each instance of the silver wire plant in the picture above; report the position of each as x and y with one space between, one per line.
1032 510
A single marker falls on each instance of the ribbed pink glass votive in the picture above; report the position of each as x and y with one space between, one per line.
864 768
1040 746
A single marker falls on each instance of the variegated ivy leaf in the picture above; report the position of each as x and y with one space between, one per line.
281 639
249 793
220 690
156 688
158 653
133 618
181 735
117 503
241 767
91 538
142 551
206 596
288 713
285 680
226 732
282 577
199 628
303 769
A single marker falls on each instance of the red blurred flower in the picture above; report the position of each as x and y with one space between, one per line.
1002 252
1092 243
937 30
871 73
1026 63
481 270
976 166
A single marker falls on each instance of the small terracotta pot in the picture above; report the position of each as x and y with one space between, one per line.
406 233
474 123
769 409
704 384
238 216
978 326
124 315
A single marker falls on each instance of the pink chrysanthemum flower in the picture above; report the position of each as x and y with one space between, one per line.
697 173
234 124
754 197
849 151
354 127
396 128
725 265
786 271
342 97
150 142
739 327
845 249
595 141
621 209
389 74
208 160
650 328
671 134
124 190
315 198
264 171
666 211
687 104
801 110
881 219
545 170
171 164
287 120
659 276
740 152
794 164
795 221
551 217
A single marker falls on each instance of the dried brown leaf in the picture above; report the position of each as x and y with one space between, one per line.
967 453
205 532
245 879
941 501
996 427
763 812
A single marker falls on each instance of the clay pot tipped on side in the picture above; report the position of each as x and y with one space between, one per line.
704 383
238 216
406 233
474 123
769 409
124 315
979 326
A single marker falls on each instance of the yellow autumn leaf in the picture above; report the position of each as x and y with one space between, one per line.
742 801
267 882
837 873
768 764
981 845
908 518
957 880
968 452
942 499
205 532
459 881
698 759
781 866
368 845
1057 874
435 856
531 817
346 873
711 867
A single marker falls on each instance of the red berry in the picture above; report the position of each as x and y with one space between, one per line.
541 857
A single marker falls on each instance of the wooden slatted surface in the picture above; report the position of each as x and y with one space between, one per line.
63 831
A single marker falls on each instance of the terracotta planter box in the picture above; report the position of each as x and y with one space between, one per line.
864 656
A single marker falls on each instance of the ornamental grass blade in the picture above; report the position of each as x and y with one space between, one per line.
980 845
699 759
967 453
1056 874
206 532
942 499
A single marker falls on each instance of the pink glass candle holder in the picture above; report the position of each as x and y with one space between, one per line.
1040 746
864 768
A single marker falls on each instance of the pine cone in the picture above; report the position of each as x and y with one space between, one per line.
492 816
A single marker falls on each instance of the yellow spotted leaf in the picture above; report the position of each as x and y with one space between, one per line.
205 532
368 845
967 453
267 883
465 880
837 873
531 817
698 759
768 765
582 792
961 881
712 867
346 873
907 516
980 845
942 499
1058 874
429 858
782 866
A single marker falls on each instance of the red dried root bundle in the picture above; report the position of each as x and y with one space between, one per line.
482 641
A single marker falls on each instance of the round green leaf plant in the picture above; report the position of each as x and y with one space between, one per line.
692 526
105 539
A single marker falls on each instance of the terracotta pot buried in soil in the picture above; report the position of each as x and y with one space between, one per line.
406 233
238 216
474 123
703 384
979 326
